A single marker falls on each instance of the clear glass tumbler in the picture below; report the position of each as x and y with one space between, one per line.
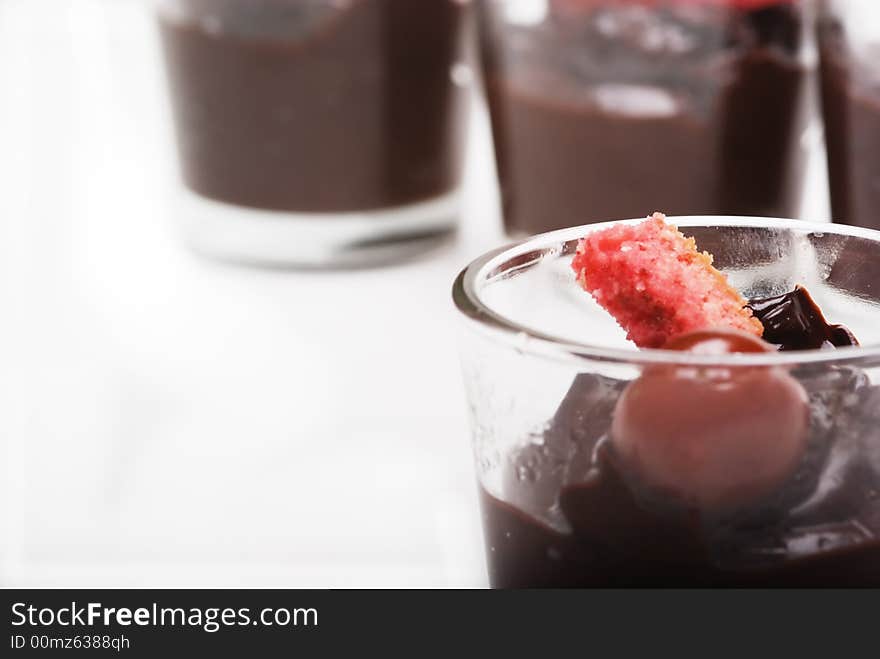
551 381
602 109
849 43
317 132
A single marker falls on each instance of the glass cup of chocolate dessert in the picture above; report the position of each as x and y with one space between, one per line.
849 43
686 402
602 108
317 132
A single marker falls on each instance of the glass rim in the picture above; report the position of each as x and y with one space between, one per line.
523 339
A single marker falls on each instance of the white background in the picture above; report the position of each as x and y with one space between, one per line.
169 421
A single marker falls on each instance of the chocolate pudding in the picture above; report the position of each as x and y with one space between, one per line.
315 105
574 514
793 321
851 104
603 110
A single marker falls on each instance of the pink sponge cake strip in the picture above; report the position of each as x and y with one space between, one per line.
656 284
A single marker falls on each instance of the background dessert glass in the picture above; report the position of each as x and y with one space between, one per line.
605 108
849 41
317 132
545 368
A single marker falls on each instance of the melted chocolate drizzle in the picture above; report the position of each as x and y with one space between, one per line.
793 321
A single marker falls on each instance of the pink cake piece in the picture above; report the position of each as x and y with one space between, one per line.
656 284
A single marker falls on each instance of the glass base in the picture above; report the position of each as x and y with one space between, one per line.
315 240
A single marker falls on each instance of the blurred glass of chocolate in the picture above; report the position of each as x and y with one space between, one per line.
849 41
604 108
347 112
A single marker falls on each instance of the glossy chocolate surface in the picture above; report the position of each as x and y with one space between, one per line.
793 321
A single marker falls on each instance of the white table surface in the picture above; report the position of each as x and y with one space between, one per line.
169 421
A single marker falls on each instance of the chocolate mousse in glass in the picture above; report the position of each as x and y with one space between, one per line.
317 132
849 41
719 459
602 108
